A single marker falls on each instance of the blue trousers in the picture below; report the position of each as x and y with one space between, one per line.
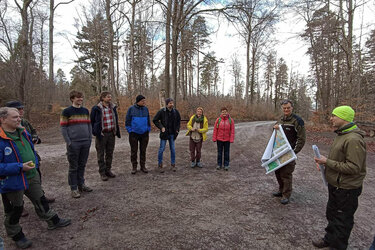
171 147
223 146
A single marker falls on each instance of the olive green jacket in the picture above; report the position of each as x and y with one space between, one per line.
294 129
346 161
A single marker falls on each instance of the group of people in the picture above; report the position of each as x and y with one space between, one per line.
345 166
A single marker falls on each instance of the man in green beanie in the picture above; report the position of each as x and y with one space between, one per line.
345 169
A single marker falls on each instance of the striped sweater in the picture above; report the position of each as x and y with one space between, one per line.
75 124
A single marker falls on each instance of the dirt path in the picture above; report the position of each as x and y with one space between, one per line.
191 208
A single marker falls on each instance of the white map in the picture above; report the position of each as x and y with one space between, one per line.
278 152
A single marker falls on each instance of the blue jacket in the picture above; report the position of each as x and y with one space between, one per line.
12 177
137 120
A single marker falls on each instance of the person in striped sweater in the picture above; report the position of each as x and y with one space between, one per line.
77 132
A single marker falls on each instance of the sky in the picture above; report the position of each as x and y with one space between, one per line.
224 43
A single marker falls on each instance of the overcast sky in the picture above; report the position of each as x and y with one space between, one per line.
224 43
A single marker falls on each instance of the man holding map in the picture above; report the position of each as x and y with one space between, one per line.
294 130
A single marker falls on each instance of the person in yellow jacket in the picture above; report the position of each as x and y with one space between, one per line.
197 129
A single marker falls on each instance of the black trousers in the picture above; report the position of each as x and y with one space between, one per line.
341 206
143 142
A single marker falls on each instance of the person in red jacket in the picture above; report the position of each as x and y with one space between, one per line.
224 135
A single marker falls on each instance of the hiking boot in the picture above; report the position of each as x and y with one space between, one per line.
320 243
24 213
110 174
284 201
84 188
218 167
23 243
104 177
61 223
50 199
76 194
199 164
277 194
160 168
134 170
144 170
192 165
173 167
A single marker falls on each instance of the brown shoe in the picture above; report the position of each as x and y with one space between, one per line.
24 213
103 177
110 174
160 167
50 199
320 243
173 167
144 170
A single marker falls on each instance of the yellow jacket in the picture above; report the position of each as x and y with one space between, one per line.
203 130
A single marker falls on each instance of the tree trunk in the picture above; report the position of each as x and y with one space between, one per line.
111 70
167 80
50 46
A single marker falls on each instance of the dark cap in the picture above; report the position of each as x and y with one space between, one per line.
139 98
168 100
14 104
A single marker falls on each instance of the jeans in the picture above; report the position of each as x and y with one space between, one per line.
78 152
171 147
223 145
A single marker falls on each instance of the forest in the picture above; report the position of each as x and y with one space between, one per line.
161 48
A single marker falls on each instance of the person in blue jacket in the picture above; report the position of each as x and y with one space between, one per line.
19 176
137 123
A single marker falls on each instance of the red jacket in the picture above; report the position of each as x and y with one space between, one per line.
224 131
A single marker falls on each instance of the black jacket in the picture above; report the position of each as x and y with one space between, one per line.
96 121
160 120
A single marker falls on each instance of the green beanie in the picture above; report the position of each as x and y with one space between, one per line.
344 112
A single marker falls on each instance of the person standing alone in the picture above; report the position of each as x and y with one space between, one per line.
104 122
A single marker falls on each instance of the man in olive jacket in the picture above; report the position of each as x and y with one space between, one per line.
294 129
345 170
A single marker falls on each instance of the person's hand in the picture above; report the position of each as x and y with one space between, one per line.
276 126
162 130
321 161
28 166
